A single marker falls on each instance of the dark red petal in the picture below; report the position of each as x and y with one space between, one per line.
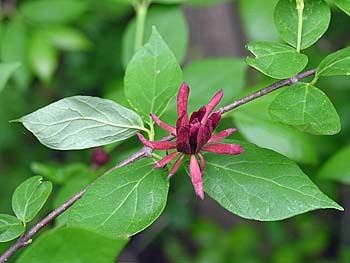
182 140
212 104
223 148
176 166
163 125
202 163
156 145
203 136
196 177
222 135
167 159
198 114
182 101
215 119
193 136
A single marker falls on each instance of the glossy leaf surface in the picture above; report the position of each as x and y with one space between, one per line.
316 18
123 202
276 60
262 185
337 63
72 245
10 228
152 77
307 108
29 197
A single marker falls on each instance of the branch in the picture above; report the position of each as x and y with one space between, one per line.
262 92
143 152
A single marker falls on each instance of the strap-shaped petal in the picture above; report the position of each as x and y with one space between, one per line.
202 162
176 166
222 135
163 125
212 104
167 159
223 148
156 145
182 101
196 177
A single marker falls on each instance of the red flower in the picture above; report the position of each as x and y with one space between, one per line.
193 136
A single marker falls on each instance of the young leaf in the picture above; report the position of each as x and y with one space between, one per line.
53 11
70 244
262 185
337 168
206 76
81 122
6 70
316 18
174 31
66 38
43 57
124 202
14 48
10 228
276 60
335 64
344 5
29 197
255 124
307 108
152 77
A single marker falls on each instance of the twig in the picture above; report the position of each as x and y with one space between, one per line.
143 152
262 92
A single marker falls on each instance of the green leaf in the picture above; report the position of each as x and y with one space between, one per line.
53 11
335 64
14 49
307 108
70 244
337 168
276 60
262 185
174 31
10 228
316 18
206 76
81 122
43 57
66 38
6 70
123 202
255 25
255 124
344 5
152 77
29 197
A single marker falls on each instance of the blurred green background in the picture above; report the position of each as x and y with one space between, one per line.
70 47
